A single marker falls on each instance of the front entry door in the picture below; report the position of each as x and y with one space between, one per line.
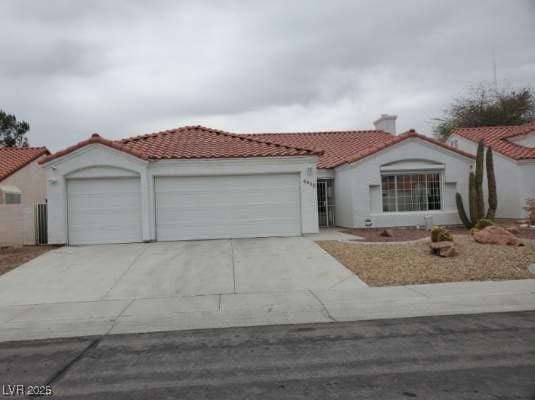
326 202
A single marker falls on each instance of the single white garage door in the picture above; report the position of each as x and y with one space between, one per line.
233 206
106 210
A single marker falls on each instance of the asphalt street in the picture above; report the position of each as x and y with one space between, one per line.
487 356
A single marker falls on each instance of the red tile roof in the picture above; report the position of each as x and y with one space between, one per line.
95 138
333 147
14 158
194 142
343 147
338 146
497 138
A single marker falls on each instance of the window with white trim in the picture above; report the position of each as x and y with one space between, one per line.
10 195
411 192
12 198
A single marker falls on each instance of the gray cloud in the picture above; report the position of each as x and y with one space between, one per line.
48 59
125 67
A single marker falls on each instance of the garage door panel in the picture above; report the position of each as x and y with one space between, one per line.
227 220
105 203
218 231
104 210
227 206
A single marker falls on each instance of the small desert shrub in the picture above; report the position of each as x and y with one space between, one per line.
483 223
440 234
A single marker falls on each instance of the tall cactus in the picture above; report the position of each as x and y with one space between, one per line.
462 213
491 182
476 201
480 200
472 198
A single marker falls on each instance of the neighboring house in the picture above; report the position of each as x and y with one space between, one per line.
200 183
22 186
514 162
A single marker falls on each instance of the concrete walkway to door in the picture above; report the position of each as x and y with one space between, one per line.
99 290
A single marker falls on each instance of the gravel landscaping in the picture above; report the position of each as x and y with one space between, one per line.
398 235
410 234
412 263
12 257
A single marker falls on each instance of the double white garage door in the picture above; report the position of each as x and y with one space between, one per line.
199 207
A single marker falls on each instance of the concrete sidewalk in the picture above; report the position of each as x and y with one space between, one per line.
101 317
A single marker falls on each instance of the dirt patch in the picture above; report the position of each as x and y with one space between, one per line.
12 257
412 263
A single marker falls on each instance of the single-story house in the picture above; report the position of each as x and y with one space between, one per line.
514 163
200 183
22 186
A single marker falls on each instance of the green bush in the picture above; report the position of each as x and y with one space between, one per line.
483 223
440 234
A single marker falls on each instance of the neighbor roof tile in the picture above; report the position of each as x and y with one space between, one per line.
497 137
14 158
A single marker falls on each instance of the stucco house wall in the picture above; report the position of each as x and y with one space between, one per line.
97 160
513 180
12 226
359 195
343 211
18 224
528 177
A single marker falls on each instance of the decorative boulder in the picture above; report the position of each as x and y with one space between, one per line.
496 235
443 249
386 233
513 229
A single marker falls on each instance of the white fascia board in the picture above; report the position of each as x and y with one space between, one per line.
89 147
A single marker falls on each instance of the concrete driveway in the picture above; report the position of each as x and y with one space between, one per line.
160 270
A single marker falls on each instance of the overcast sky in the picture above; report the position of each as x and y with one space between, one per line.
122 68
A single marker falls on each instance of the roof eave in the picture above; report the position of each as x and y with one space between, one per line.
402 138
94 139
44 151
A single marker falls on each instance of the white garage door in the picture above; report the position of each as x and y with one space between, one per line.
104 210
210 207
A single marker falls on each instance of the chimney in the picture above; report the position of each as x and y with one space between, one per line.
386 123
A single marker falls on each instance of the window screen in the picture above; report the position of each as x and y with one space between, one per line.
12 198
411 192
